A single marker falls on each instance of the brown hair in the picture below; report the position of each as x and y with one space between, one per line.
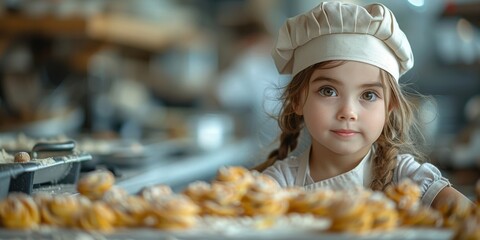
400 132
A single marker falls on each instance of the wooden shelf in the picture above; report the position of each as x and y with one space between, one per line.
17 24
114 29
138 33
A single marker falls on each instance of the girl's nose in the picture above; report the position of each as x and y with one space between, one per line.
347 112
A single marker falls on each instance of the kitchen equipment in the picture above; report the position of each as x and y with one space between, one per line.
7 172
52 163
131 153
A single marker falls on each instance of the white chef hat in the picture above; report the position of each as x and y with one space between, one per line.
342 31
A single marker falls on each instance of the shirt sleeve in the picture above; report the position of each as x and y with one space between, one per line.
426 175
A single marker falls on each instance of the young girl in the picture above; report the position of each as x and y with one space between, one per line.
346 61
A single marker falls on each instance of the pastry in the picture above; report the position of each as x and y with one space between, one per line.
383 211
264 204
151 193
115 194
21 157
223 194
406 194
19 211
238 177
60 210
197 191
218 198
130 212
213 208
174 212
98 216
317 202
264 183
350 215
95 184
421 216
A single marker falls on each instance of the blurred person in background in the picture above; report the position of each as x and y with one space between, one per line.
248 84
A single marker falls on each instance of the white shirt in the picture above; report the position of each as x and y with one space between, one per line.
294 171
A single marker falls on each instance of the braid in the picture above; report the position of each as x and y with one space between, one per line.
288 142
289 122
400 133
384 164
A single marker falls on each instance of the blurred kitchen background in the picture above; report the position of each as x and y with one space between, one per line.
201 70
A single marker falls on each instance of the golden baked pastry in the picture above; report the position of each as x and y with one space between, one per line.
19 211
350 215
174 212
115 194
197 191
317 202
98 216
21 157
151 193
41 197
130 212
406 194
291 192
209 207
264 204
218 198
233 174
264 183
224 194
95 184
60 210
264 197
383 211
421 216
238 177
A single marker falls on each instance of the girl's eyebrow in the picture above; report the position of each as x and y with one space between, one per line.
333 80
373 85
328 79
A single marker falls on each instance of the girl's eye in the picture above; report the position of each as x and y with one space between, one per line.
327 92
370 96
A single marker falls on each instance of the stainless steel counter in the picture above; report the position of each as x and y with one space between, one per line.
175 171
179 171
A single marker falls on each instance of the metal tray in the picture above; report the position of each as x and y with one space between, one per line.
65 170
62 167
7 172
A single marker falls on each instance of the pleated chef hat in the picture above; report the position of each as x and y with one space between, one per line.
342 31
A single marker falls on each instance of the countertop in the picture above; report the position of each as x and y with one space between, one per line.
179 171
175 171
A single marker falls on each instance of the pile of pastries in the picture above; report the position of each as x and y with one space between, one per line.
234 193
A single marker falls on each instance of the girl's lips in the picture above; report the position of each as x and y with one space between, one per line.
344 132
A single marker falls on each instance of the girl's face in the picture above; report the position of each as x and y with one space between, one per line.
344 108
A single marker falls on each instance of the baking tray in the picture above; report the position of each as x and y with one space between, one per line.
7 172
52 164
